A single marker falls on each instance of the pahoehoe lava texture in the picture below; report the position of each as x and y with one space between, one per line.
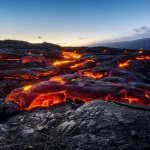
95 125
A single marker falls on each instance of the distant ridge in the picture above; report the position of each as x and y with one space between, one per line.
134 44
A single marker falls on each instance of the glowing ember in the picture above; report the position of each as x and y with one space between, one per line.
29 53
104 51
47 100
125 64
140 51
143 57
132 100
81 64
31 58
26 87
71 55
58 79
12 59
58 63
96 76
147 94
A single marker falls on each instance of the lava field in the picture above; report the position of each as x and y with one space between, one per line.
35 78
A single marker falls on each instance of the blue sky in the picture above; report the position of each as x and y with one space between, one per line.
74 22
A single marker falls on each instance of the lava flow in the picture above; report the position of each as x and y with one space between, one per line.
78 65
143 57
78 76
125 64
71 55
59 63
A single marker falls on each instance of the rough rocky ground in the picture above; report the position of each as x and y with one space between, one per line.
95 125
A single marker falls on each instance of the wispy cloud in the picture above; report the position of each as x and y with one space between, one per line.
142 29
137 30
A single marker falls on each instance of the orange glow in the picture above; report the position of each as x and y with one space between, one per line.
143 57
29 53
47 100
104 51
26 87
71 55
31 58
133 100
71 82
58 79
147 94
12 59
27 100
96 76
140 51
81 64
58 63
125 64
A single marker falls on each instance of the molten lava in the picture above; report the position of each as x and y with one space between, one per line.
71 55
104 51
140 51
143 57
59 63
91 75
47 100
25 88
11 59
125 64
104 82
32 58
78 65
57 79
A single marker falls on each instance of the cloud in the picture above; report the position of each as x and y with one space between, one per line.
137 30
142 29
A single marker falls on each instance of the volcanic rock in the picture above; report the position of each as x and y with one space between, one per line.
100 125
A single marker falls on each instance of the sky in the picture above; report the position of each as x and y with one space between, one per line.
74 22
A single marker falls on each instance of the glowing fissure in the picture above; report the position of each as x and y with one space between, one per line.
71 55
59 63
125 64
77 65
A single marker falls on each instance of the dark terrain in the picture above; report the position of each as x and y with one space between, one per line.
80 98
133 44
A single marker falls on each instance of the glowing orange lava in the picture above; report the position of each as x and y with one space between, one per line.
125 64
58 63
90 74
58 79
47 100
11 59
25 88
57 89
71 55
81 64
143 57
104 51
147 94
140 51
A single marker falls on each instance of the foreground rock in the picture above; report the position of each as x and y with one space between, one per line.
95 125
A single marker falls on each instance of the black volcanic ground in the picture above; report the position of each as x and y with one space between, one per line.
104 97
